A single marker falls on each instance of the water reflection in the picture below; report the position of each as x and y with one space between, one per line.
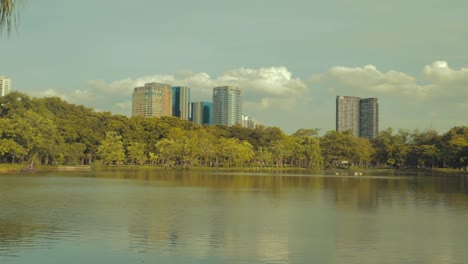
233 217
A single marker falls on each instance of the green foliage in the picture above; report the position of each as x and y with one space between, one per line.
337 148
111 149
136 153
52 131
7 15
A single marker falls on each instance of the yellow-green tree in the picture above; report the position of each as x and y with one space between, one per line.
111 149
136 153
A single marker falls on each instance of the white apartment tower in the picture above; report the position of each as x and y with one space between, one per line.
5 85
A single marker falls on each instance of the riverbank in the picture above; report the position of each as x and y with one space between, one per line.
9 168
12 168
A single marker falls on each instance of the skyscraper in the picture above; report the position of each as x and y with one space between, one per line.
202 113
227 106
359 115
181 102
369 118
347 114
5 84
152 100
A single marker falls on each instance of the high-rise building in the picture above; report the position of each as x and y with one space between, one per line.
369 118
5 84
152 100
249 122
227 106
181 102
347 114
361 116
202 113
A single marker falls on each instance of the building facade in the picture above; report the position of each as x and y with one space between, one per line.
361 116
249 122
5 85
368 118
347 114
152 100
202 113
227 106
181 102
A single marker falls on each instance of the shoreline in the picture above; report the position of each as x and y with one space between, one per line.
18 168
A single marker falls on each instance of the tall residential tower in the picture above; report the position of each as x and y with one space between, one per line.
368 118
227 106
5 84
359 115
152 100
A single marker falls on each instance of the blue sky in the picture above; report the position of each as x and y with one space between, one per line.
291 58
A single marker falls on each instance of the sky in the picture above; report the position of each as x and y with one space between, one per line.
290 58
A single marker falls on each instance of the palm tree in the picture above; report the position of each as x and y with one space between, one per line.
7 14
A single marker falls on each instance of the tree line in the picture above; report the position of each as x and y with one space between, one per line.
51 131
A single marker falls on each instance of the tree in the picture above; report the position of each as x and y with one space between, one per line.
111 149
11 149
136 153
455 147
337 147
36 133
363 152
392 149
263 156
280 150
235 152
7 14
306 149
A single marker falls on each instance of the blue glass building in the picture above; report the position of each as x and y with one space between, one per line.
202 113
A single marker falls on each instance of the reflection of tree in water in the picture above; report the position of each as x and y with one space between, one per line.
364 193
15 236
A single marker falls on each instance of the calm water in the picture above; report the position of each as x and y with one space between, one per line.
229 217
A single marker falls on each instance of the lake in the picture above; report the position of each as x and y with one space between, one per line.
215 216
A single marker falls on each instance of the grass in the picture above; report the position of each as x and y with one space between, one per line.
6 167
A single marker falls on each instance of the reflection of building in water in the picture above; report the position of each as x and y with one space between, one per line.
354 192
356 238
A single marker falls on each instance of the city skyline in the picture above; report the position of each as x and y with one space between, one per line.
290 58
159 99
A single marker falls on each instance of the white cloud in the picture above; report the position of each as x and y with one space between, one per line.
274 97
263 88
446 79
369 81
127 105
53 93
